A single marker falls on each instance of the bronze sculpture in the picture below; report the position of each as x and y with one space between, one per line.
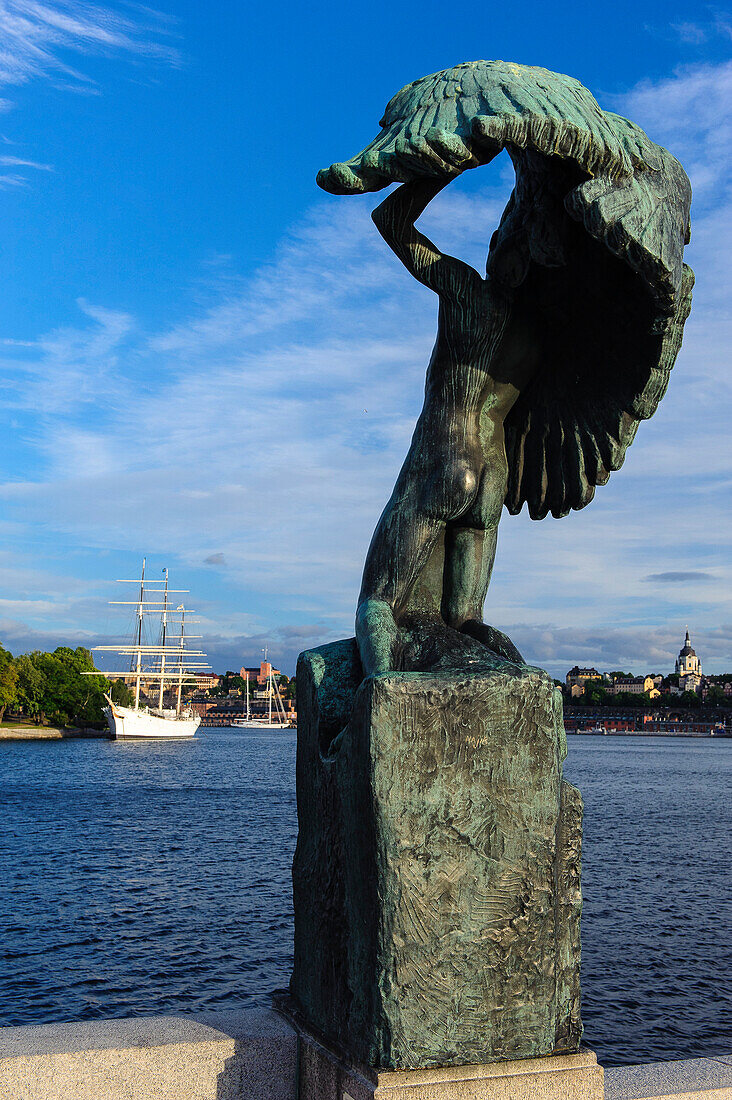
543 369
436 879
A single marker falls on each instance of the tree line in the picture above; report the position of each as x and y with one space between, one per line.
595 695
52 688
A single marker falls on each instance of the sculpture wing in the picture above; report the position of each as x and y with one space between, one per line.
572 425
590 246
609 317
461 117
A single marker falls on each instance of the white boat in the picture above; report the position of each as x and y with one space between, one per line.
166 662
275 719
145 724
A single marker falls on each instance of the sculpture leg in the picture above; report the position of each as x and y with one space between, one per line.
469 556
423 501
405 535
470 539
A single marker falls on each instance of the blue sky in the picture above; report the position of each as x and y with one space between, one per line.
206 360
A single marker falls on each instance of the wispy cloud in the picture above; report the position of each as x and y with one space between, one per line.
262 436
691 113
701 31
19 162
651 649
37 37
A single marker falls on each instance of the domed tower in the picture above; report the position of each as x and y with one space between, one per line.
688 667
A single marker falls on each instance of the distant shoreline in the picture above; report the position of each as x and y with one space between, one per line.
648 733
49 733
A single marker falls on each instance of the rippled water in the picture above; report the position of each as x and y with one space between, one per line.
144 879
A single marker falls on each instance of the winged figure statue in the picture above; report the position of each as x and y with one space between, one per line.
545 365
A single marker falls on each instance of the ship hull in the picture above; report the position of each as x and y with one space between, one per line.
126 724
253 724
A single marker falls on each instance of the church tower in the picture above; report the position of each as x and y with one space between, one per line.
688 667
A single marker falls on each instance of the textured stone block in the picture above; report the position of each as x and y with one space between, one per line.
326 1076
437 871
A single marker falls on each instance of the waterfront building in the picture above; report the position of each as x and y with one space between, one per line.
688 667
205 681
635 685
577 678
259 675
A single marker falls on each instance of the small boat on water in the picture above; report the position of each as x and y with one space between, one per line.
166 662
275 719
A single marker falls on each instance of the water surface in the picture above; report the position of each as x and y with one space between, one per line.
142 879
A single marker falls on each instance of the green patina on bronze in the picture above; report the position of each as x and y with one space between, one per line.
542 369
437 873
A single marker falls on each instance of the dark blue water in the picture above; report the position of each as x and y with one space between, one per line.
141 879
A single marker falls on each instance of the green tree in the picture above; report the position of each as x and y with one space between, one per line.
690 699
31 686
595 695
287 687
8 681
666 699
70 697
630 699
232 681
120 693
715 696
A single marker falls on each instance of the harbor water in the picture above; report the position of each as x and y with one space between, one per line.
143 879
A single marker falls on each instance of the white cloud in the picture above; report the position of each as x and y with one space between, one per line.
36 37
649 649
690 113
263 437
19 162
697 33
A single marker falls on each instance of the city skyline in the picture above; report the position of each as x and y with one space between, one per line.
186 342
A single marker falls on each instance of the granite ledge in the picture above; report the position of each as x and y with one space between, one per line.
707 1078
240 1055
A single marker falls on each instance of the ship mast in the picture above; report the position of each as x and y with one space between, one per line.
139 636
163 632
180 656
140 654
269 682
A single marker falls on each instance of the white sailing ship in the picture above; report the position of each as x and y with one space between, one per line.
275 719
167 662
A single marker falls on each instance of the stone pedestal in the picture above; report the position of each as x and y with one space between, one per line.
436 878
323 1075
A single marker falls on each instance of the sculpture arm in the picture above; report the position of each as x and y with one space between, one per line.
395 219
